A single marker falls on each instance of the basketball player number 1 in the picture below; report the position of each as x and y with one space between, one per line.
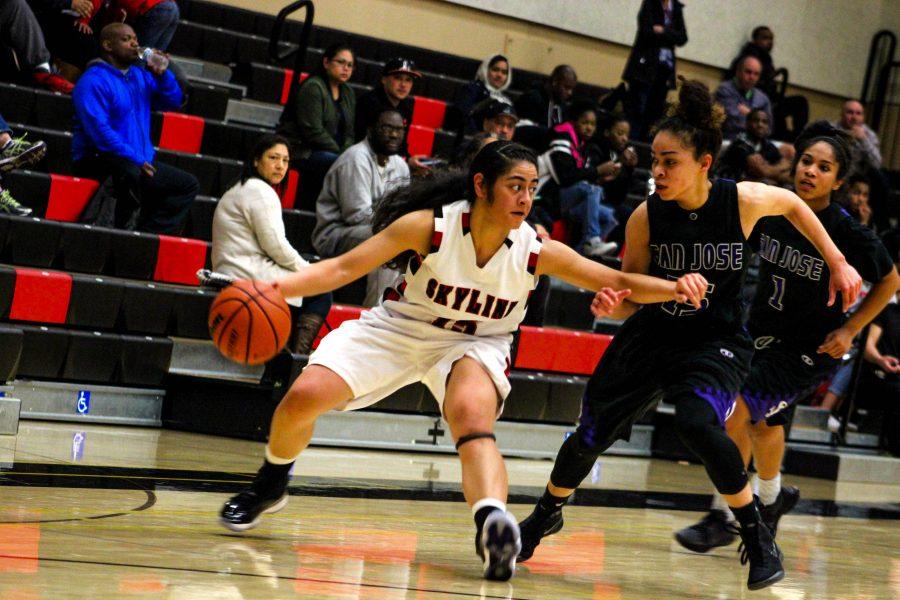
778 294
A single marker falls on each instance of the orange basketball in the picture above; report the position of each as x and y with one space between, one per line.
249 322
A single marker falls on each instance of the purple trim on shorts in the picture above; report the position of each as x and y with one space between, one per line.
587 425
722 401
762 405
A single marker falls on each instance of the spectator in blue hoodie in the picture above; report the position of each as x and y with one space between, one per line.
113 100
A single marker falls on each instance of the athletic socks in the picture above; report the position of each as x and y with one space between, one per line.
769 490
549 504
484 507
718 503
275 470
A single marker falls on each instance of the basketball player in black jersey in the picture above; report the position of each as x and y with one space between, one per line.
799 339
695 359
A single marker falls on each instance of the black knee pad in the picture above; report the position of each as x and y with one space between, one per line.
697 425
573 463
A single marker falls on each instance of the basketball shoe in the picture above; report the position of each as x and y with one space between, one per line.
19 152
536 527
759 549
710 532
264 496
786 501
498 544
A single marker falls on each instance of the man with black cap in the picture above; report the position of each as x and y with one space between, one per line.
397 80
499 118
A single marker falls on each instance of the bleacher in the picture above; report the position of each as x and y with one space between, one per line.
88 306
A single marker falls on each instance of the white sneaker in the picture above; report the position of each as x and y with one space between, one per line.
595 247
499 545
834 424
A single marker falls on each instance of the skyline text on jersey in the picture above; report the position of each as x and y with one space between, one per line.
455 297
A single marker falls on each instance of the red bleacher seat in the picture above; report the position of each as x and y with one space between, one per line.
428 112
179 259
41 296
337 315
288 192
182 133
68 197
559 350
420 140
561 231
286 85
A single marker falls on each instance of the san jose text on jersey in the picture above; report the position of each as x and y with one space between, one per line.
709 241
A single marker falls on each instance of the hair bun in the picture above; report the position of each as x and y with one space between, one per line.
695 105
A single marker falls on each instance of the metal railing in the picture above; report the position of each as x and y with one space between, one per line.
278 57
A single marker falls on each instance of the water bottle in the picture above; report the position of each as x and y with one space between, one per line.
152 58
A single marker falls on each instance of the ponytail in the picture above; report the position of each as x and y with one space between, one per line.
695 119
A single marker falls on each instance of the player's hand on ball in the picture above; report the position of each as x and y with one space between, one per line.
691 288
606 300
837 343
846 280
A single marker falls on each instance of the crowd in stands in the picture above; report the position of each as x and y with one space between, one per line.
351 151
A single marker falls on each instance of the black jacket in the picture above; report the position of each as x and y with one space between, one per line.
370 104
615 192
644 59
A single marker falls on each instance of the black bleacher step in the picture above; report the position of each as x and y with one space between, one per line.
234 90
208 101
84 248
44 350
11 339
92 356
94 302
31 242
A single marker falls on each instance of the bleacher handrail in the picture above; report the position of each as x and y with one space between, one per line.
276 57
871 68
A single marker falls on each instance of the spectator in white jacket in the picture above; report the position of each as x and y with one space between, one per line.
248 239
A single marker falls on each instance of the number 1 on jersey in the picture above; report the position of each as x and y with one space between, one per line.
778 294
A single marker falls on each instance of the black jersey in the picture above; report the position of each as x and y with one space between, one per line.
792 293
709 241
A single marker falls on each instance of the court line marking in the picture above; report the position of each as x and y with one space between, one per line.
380 586
148 503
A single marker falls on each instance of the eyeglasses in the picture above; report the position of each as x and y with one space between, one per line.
390 129
343 62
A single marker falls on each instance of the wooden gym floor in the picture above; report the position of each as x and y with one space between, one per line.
114 512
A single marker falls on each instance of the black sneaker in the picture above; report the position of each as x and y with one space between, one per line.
711 532
498 545
10 206
243 512
759 549
534 529
784 503
19 152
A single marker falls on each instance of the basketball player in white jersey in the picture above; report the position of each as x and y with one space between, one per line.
471 263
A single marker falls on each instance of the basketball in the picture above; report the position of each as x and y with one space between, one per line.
249 322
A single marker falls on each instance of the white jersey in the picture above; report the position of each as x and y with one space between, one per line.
447 289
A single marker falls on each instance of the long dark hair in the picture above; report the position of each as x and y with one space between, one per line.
822 131
695 119
261 146
447 186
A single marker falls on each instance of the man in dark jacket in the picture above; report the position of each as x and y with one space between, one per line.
545 106
650 71
111 137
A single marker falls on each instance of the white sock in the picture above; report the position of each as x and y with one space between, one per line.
718 503
769 489
754 484
488 502
277 460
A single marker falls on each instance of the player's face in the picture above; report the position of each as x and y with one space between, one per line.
675 170
272 166
509 200
816 173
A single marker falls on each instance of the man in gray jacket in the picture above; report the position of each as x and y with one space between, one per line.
361 176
